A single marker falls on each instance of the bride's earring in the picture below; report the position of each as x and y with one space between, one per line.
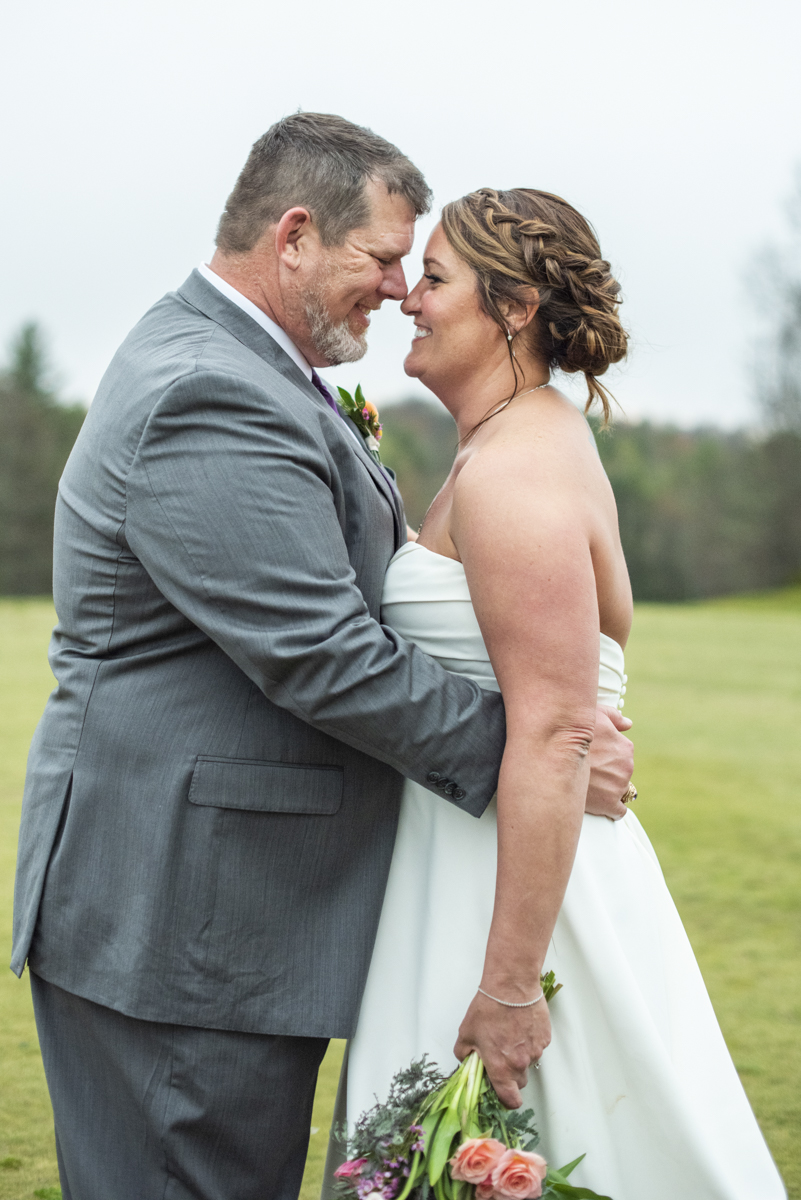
509 340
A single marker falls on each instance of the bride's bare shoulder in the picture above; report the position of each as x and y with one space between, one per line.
542 435
547 415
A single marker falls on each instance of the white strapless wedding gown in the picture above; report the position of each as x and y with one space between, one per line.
637 1074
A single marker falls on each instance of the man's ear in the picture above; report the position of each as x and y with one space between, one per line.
295 225
520 312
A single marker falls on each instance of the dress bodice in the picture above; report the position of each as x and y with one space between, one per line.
426 600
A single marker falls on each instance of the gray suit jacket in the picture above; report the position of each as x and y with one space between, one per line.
213 790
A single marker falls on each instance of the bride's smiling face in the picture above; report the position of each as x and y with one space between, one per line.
454 339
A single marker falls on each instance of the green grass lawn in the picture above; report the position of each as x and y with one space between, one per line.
715 692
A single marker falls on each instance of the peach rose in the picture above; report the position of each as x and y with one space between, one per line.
474 1160
518 1175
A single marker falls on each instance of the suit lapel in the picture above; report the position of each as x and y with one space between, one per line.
201 295
382 481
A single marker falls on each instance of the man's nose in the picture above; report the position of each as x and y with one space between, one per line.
393 285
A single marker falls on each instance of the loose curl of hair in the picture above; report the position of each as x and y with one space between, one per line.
522 239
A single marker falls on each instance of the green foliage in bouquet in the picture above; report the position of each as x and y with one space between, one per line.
387 1131
549 986
465 1107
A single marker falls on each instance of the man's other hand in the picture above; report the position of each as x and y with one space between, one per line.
611 764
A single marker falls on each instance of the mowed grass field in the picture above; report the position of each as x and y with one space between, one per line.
715 693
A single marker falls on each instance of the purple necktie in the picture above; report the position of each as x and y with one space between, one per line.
324 392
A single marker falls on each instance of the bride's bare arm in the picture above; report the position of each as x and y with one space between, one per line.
523 528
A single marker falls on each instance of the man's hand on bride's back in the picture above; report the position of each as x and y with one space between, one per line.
611 764
508 1041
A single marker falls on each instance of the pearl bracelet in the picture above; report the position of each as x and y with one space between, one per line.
509 1004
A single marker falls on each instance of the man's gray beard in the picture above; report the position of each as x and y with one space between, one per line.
335 343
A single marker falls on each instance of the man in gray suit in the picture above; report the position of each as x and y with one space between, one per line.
213 789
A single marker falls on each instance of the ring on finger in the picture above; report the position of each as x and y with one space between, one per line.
630 794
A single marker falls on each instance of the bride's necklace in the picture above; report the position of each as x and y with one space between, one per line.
504 403
534 389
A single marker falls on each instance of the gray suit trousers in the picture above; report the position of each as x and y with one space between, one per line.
151 1111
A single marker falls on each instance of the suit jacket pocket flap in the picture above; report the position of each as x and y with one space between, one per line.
257 786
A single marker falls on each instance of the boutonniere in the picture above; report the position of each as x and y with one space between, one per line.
364 416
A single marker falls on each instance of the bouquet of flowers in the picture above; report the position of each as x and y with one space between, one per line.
450 1138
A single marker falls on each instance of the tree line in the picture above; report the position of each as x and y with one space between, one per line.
37 432
702 513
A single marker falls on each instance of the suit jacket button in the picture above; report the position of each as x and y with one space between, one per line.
443 782
449 789
433 777
459 793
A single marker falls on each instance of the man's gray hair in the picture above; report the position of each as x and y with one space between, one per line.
320 162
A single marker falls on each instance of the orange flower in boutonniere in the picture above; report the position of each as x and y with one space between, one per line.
364 415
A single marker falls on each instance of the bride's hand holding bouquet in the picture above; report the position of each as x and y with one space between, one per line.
508 1037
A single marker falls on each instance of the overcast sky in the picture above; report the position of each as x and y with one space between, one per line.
673 127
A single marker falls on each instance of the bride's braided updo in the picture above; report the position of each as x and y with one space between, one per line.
522 239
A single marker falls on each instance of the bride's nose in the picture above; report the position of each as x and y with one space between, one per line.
411 304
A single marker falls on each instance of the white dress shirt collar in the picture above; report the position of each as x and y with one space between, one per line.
261 318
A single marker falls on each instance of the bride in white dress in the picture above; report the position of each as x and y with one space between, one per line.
516 579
